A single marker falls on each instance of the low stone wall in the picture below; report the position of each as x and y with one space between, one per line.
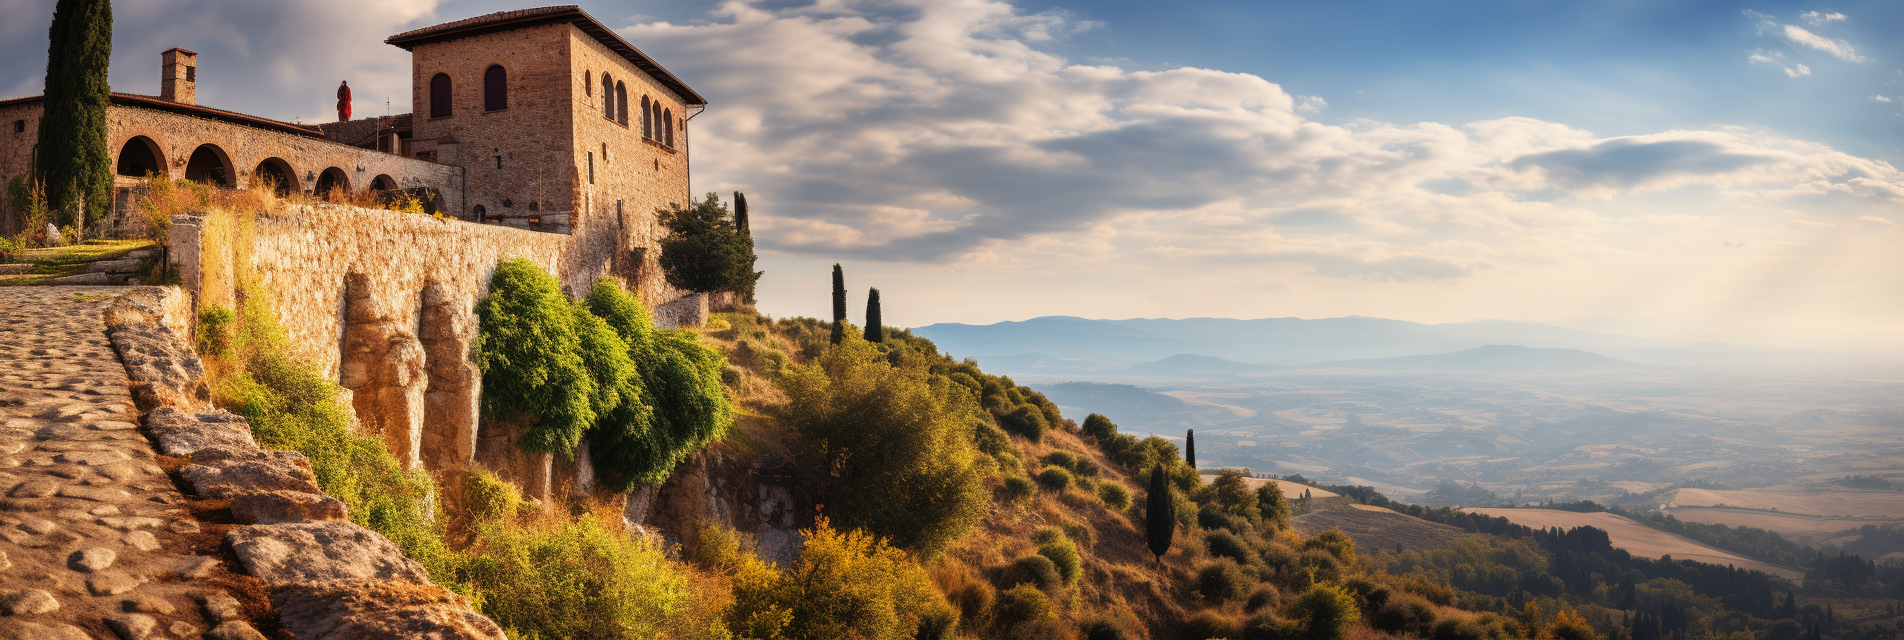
329 577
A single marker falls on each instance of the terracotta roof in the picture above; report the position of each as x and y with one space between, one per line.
158 104
523 18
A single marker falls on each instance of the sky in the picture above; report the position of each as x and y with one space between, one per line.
1689 170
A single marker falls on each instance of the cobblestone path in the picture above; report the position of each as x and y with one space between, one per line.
95 539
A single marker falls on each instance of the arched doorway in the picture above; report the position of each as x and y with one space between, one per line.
383 183
210 165
332 178
140 156
277 173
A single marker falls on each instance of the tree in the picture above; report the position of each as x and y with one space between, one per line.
1190 448
874 331
1099 427
1270 501
839 303
1160 513
529 351
740 214
74 161
704 252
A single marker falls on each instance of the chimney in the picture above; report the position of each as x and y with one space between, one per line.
178 80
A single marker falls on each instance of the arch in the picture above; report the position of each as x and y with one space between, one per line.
495 88
481 213
647 123
608 97
667 125
383 182
277 173
210 165
440 96
332 179
621 103
140 156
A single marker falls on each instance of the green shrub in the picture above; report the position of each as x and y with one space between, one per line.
489 498
1325 612
1209 624
1017 489
1020 604
1114 495
1085 467
562 578
1099 427
215 331
1063 554
1265 626
846 584
1023 420
1404 613
673 406
1064 459
704 251
1102 628
899 449
1223 544
1264 597
1054 479
1223 581
1035 570
529 353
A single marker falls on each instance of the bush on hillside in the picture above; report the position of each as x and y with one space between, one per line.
1114 495
1099 427
1054 478
1223 544
1063 553
898 449
1209 624
846 584
1017 490
671 406
1222 581
1035 570
586 577
1325 612
529 353
1021 604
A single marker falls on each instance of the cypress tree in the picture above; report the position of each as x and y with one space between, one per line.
1190 449
839 304
740 214
874 331
74 162
1160 513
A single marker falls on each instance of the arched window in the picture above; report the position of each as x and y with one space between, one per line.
608 97
647 121
482 214
667 124
588 86
621 103
440 96
495 89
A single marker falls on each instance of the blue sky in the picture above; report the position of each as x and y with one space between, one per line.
1699 170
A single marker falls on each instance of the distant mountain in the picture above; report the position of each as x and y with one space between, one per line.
1494 358
1296 341
1041 363
1186 365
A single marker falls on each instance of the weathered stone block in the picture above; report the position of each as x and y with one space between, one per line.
379 609
181 433
276 507
291 554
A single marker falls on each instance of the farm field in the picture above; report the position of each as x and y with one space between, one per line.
1635 538
1855 504
1290 489
1375 528
1802 528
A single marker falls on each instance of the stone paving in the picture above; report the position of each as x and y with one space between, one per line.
95 538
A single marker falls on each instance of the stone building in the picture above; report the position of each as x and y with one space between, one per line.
542 119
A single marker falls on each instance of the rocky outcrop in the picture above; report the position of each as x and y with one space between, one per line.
383 368
450 400
329 577
758 496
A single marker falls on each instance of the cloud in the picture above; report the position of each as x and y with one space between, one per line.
1816 19
1777 59
946 132
1837 48
1880 98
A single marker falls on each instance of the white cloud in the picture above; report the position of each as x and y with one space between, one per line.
1880 98
1777 59
1311 104
1815 18
1798 70
1837 48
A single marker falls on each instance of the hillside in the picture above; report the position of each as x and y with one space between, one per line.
1637 539
1495 358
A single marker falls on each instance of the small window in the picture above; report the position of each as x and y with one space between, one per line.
647 123
604 152
608 97
19 126
440 96
667 122
588 86
482 215
499 166
191 74
619 220
591 167
621 104
495 89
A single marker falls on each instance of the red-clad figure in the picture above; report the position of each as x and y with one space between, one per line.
343 102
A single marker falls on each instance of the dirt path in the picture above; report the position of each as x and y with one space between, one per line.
95 539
